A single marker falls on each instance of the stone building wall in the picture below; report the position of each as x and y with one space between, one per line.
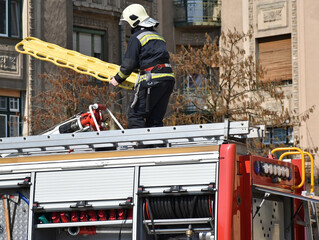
273 18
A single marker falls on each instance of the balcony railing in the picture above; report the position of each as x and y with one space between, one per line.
197 12
110 5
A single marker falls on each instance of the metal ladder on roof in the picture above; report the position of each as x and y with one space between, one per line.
213 133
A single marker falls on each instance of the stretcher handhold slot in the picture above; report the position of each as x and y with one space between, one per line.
81 69
103 76
39 55
61 62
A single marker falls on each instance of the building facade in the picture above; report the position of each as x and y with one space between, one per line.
284 43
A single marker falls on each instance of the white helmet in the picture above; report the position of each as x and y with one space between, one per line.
136 15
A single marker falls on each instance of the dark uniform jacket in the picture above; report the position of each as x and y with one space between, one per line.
146 48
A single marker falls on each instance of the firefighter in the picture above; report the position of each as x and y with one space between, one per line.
146 53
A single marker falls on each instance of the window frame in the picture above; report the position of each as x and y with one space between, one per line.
272 138
8 19
93 33
9 112
13 128
5 124
18 10
16 102
6 103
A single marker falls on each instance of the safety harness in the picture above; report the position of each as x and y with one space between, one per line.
147 79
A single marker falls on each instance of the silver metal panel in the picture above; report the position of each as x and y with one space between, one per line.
179 221
181 174
14 176
12 180
135 209
104 233
60 206
82 224
286 194
9 184
189 188
30 218
20 218
80 185
269 221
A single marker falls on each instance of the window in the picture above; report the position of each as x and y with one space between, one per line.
10 120
279 136
3 103
14 104
193 82
89 42
274 55
3 125
10 18
196 11
14 126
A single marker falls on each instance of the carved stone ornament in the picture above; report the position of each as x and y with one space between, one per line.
8 63
271 16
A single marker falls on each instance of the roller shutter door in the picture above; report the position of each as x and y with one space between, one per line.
275 57
113 185
191 177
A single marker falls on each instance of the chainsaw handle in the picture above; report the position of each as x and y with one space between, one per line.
99 107
92 108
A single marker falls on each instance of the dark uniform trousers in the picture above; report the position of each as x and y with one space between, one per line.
159 98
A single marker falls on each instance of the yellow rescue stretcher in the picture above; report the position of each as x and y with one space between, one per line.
74 60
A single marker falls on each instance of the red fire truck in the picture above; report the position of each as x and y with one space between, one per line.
182 182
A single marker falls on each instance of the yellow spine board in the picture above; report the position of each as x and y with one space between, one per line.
74 60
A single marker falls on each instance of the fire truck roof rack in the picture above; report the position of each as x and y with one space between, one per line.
213 133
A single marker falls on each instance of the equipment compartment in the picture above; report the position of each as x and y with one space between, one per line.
177 178
97 188
178 200
87 204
